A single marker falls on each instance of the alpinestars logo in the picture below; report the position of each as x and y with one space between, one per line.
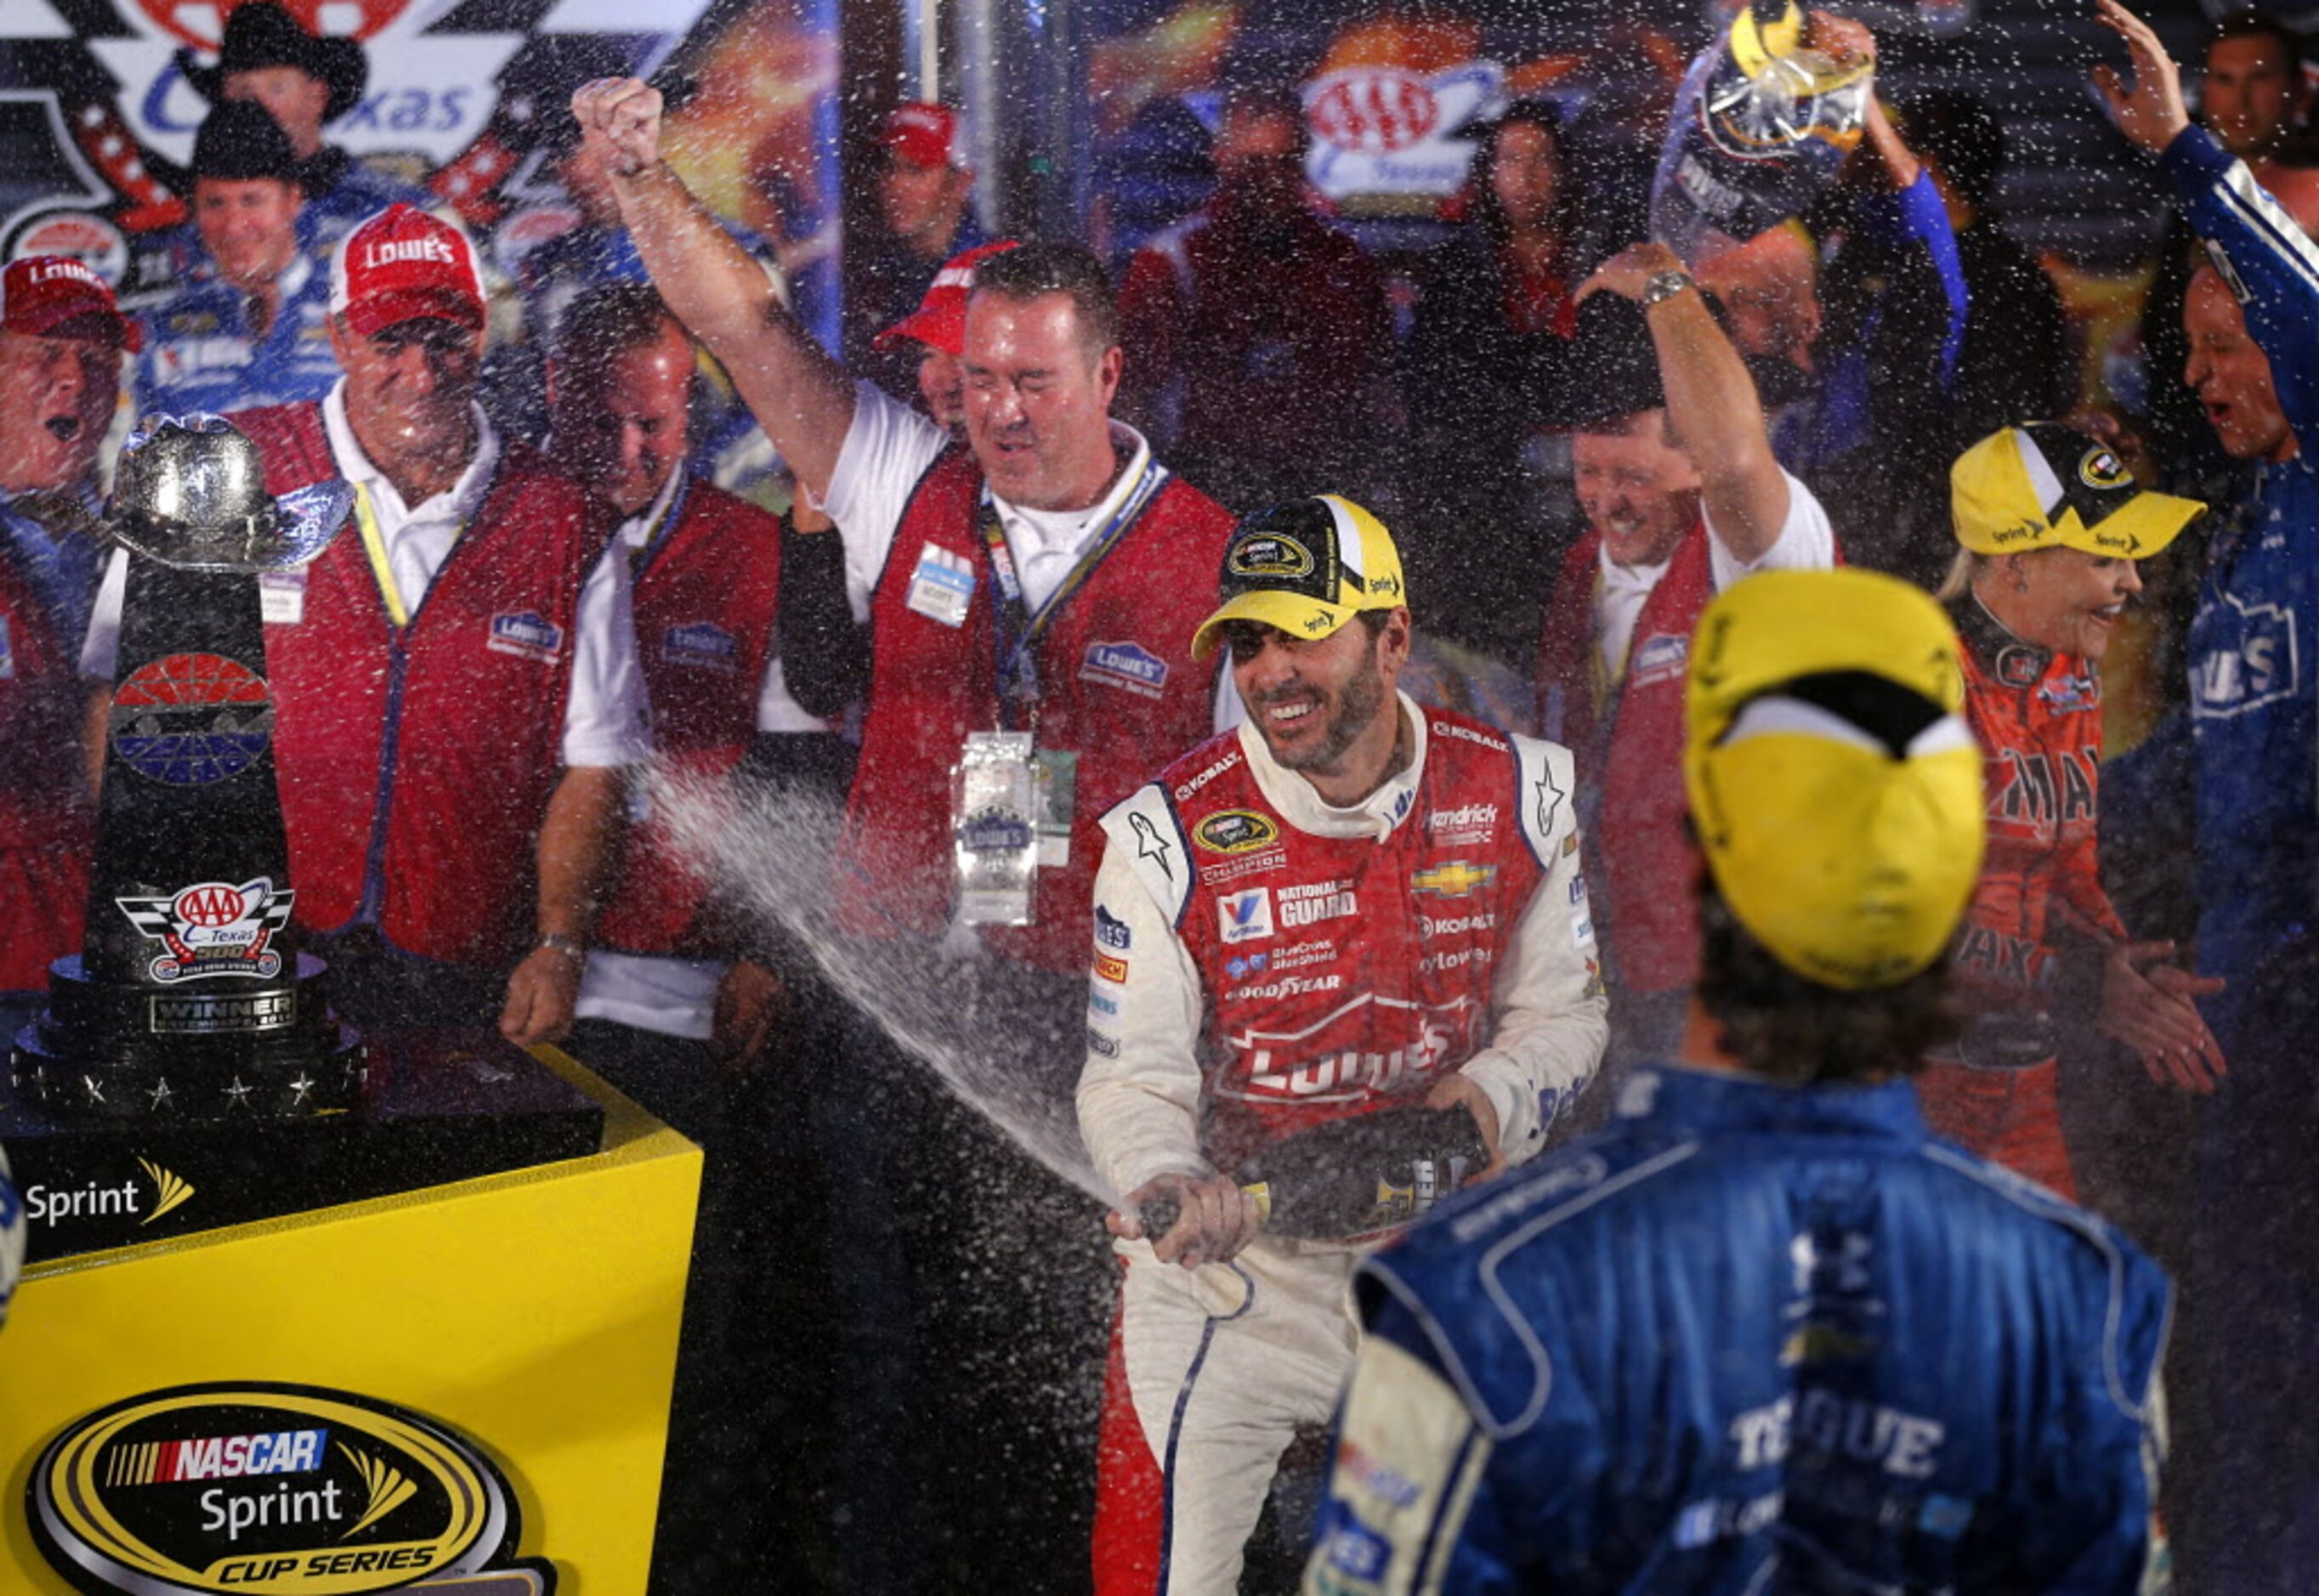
213 928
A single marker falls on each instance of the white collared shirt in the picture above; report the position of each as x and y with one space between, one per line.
604 718
888 447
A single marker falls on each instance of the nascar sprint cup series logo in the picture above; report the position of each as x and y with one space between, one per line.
286 1490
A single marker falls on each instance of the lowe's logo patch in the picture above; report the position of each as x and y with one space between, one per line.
701 644
528 635
1127 665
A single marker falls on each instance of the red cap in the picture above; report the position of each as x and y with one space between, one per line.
940 320
925 134
41 294
404 264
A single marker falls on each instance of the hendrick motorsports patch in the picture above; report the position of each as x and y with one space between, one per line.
259 1487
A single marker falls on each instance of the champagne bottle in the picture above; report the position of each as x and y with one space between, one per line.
1352 1177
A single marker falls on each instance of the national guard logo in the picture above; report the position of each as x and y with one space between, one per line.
1235 831
1269 558
213 928
1455 879
274 1490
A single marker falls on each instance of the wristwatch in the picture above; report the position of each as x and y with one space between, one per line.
576 952
1665 285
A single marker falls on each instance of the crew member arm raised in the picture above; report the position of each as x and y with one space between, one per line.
801 396
2269 262
1711 405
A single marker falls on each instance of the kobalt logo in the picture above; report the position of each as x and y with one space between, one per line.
270 1488
1206 776
1457 926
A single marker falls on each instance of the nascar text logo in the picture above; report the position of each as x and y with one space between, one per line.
259 1487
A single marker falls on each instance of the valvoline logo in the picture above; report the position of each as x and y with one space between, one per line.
528 635
287 1490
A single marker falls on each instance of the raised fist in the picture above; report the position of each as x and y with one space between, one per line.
619 120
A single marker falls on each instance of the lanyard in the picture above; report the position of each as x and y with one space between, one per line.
374 545
1018 632
640 554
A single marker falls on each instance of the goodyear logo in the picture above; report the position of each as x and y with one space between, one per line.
1457 879
1269 558
259 1487
1235 831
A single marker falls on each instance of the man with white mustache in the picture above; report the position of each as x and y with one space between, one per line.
1674 469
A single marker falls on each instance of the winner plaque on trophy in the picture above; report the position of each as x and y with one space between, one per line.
190 997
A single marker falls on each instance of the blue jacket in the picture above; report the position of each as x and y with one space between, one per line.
199 355
2254 714
1752 1338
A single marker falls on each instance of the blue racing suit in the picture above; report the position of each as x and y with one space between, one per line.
11 1238
200 355
1752 1338
2252 706
2251 1467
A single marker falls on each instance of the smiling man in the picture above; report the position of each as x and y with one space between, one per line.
455 677
61 340
1682 497
1033 589
1349 905
252 324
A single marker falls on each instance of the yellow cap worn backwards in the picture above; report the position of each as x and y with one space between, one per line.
2042 484
1305 567
1836 786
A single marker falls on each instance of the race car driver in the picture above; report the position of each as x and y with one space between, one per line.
1347 903
1765 1333
2051 527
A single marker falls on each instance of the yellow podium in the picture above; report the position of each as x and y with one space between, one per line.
463 1388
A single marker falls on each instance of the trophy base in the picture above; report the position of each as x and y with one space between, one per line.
109 1051
439 1106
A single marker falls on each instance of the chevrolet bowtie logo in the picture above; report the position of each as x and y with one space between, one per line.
1453 879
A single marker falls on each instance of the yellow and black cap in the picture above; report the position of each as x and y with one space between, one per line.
1305 567
2042 485
1834 782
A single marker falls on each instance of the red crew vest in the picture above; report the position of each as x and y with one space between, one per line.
1344 975
47 834
1631 757
704 607
416 771
1118 687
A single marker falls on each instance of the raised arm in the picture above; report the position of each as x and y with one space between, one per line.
1710 402
2272 267
801 396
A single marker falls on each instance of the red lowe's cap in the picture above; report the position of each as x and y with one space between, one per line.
925 134
42 295
403 264
940 320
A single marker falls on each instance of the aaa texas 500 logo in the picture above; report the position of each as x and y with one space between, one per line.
286 1490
